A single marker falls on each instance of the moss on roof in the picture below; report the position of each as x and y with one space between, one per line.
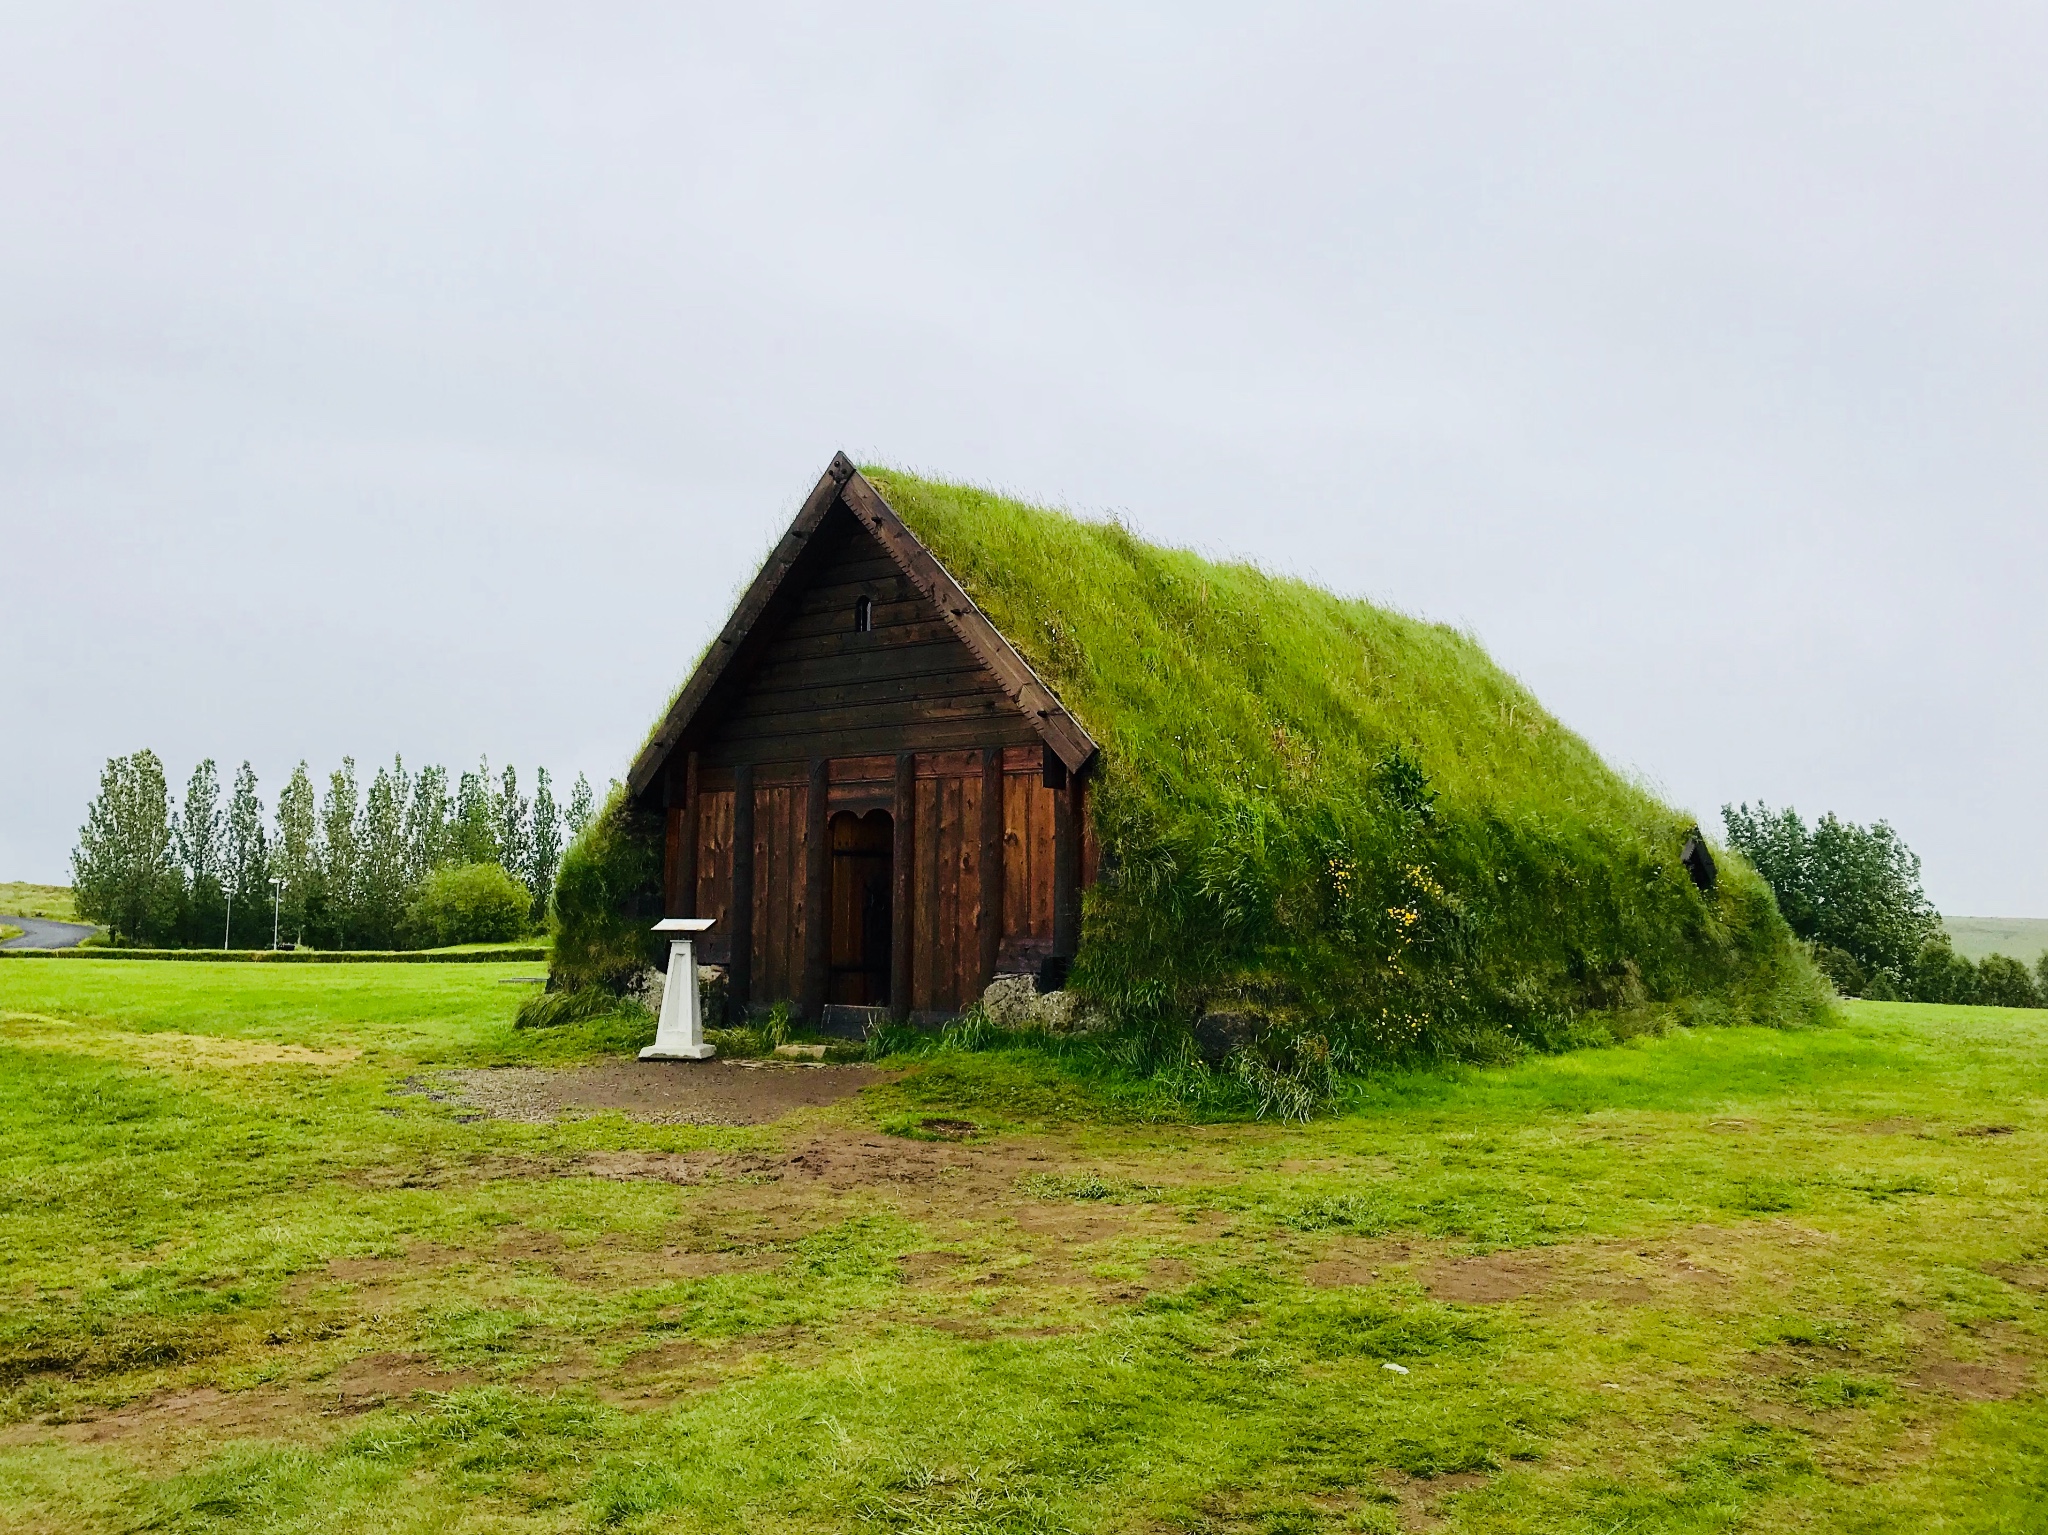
1342 816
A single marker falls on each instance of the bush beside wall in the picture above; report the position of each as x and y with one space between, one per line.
607 900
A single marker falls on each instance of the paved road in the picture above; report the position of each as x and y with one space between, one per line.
41 933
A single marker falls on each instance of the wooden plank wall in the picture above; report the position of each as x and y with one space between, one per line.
714 874
1027 863
948 954
819 702
781 834
946 943
819 688
947 958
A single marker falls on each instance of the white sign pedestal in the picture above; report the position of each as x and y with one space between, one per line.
680 1034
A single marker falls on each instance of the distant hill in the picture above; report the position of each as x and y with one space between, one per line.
50 901
2024 938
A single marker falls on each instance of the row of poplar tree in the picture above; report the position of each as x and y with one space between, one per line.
339 870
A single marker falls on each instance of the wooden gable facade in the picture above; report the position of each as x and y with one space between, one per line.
869 790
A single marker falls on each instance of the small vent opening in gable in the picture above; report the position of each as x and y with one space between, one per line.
863 615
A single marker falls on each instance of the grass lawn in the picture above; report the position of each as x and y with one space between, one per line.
260 1269
7 932
51 902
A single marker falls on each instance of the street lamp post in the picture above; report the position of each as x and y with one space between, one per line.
276 907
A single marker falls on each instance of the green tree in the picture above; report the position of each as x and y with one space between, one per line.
1939 974
1778 845
2003 981
383 880
476 836
201 834
123 872
1840 967
334 915
547 844
429 838
247 863
297 859
1840 885
1866 884
580 810
511 825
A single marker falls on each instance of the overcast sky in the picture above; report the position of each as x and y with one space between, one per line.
426 378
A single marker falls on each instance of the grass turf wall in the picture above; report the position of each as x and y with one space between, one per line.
1342 819
607 899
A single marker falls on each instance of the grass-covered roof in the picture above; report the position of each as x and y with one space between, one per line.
1338 816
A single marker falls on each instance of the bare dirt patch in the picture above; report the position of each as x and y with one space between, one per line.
2024 1276
931 1268
659 1092
1421 1500
202 1052
1495 1278
491 1167
1898 1124
369 1381
1357 1263
641 1166
977 1330
375 1275
1996 1379
172 1414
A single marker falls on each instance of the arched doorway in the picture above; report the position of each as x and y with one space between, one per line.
863 869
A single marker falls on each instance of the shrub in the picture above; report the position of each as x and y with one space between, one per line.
607 899
470 903
2002 981
1939 974
1840 967
552 1009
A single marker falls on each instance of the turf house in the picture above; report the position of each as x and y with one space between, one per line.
947 737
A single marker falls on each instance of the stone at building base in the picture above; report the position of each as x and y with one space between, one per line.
650 986
1015 1002
1011 1001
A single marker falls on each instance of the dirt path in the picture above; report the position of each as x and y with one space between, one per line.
657 1092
